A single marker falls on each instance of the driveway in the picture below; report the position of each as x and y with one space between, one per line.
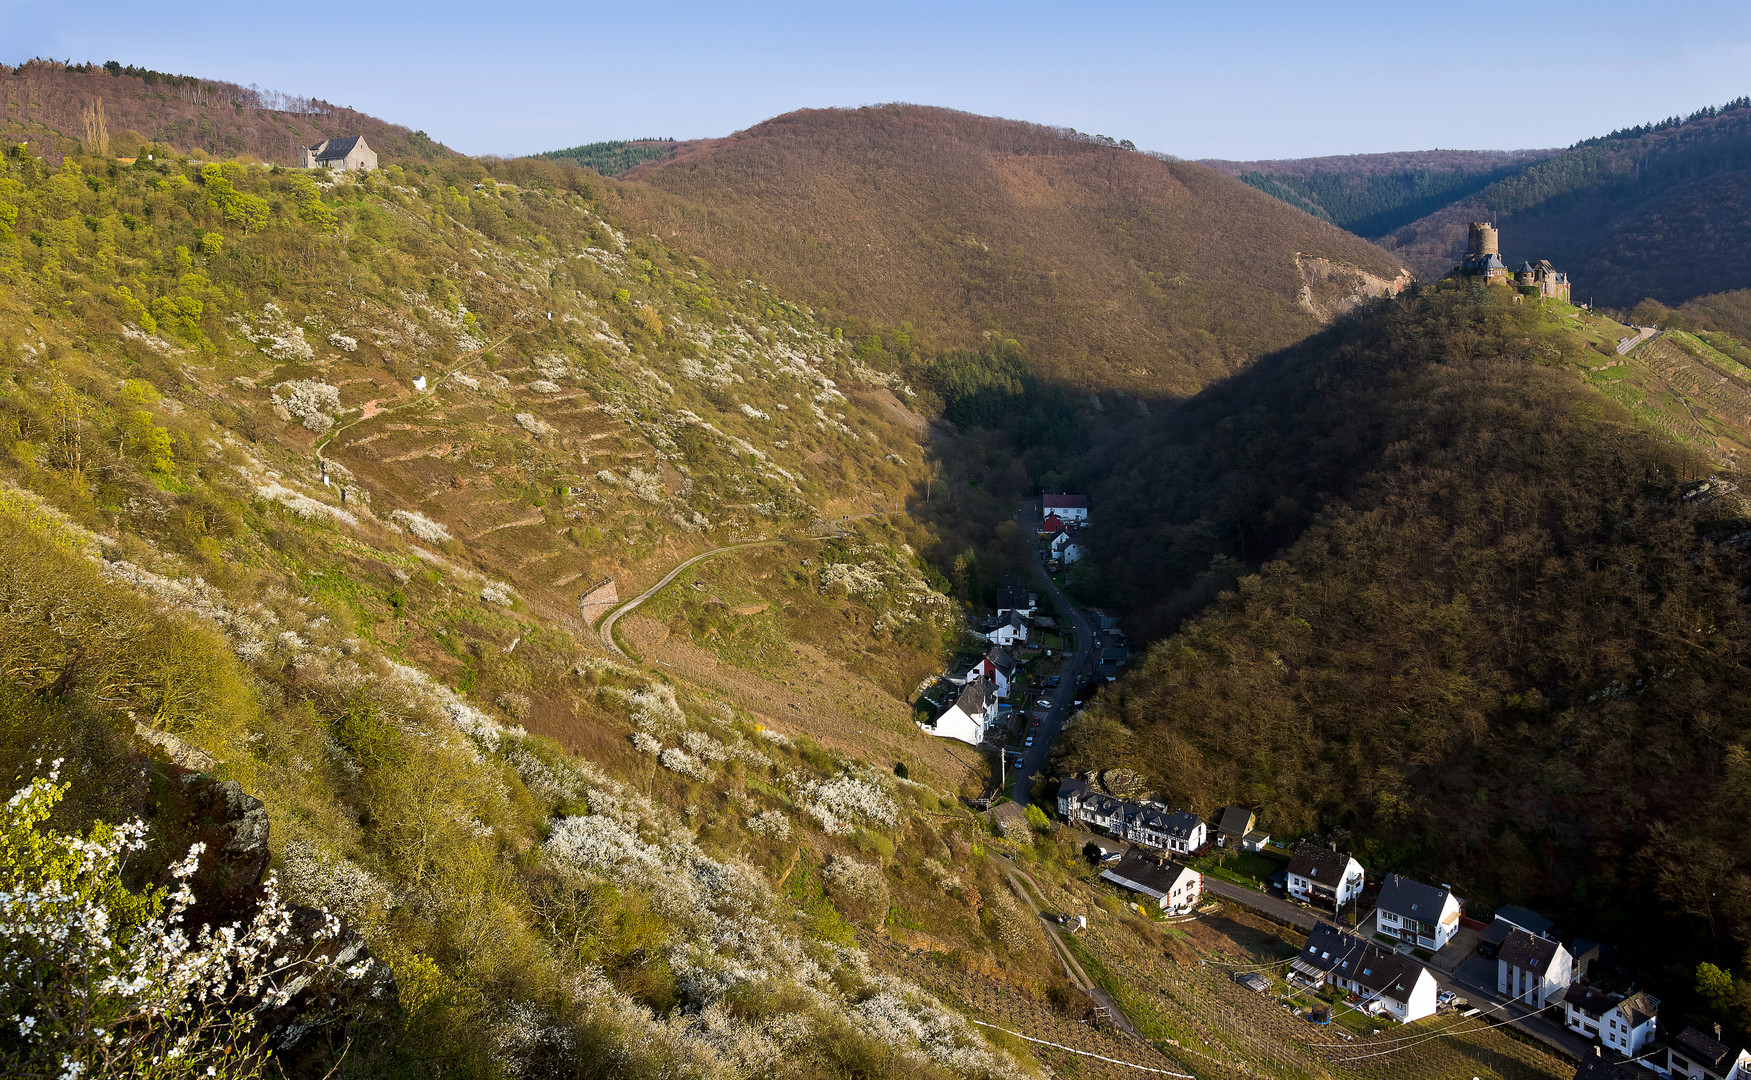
1034 759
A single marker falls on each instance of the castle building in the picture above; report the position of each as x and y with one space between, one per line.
1483 258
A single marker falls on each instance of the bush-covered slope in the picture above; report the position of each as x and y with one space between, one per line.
1113 269
1472 616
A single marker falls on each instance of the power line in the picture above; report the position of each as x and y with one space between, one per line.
1085 1053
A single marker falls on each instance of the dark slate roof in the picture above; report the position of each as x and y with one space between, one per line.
1594 1002
1069 502
1327 946
1413 899
1597 1068
1528 953
973 697
333 149
1321 864
1525 918
1235 820
1001 660
1526 268
1072 786
1178 823
1709 1051
1012 596
1139 873
1639 1007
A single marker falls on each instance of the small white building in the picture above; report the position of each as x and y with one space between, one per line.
350 152
1175 888
998 667
1623 1024
1324 877
1532 970
1696 1056
969 715
1066 550
1070 509
1423 915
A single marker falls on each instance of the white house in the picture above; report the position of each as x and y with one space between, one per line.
1324 876
969 715
1177 889
348 153
1066 550
1070 509
1179 831
1532 970
1386 982
1423 915
1623 1024
1008 631
1695 1056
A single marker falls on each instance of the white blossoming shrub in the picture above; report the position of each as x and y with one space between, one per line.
494 592
99 981
315 403
645 744
343 343
420 525
855 880
771 823
841 803
678 760
318 878
275 335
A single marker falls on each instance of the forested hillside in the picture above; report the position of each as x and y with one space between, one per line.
1374 194
1468 614
615 157
1112 269
112 110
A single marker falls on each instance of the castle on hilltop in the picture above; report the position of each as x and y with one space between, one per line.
1483 258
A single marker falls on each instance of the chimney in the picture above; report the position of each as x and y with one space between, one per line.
1717 1032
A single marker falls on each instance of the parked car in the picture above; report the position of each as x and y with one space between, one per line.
1278 880
1030 741
1487 949
1037 722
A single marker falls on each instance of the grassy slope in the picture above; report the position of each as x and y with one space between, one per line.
1113 269
1473 615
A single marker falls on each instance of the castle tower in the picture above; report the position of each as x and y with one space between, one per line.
1482 241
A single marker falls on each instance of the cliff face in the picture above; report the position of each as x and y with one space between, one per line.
1330 289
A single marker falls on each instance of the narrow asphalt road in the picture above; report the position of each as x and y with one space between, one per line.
1064 695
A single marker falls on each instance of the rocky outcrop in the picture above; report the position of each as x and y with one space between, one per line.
1329 288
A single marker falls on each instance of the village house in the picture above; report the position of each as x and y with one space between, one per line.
1179 831
350 152
1597 1068
1423 915
1696 1056
1066 550
1385 981
1533 970
998 667
1051 525
1175 888
1007 630
1236 827
1070 509
969 715
1623 1024
1325 877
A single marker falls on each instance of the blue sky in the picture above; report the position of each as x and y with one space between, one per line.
1197 80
